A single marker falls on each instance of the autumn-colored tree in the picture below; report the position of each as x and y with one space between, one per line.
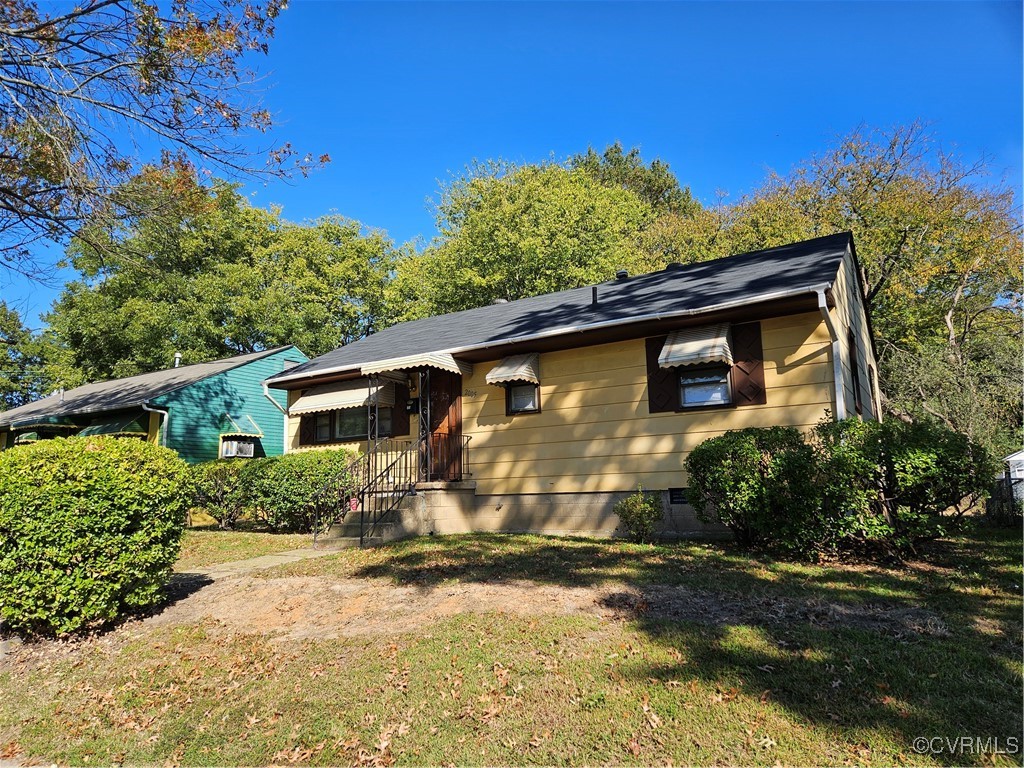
940 251
86 89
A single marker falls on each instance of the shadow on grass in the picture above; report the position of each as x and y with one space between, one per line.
966 580
182 586
931 648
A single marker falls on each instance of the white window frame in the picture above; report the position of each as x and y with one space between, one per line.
693 379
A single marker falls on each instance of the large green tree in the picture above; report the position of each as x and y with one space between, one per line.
509 232
19 362
210 276
654 183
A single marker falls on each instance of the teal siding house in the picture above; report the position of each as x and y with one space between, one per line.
202 411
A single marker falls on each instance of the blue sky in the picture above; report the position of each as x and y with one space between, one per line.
401 95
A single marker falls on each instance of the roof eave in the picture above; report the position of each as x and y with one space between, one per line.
568 330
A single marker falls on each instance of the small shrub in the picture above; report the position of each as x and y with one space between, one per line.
283 489
640 513
89 530
758 483
218 489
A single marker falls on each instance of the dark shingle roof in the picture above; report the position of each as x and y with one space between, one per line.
748 277
130 392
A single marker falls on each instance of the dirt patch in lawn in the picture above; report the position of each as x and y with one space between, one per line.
299 608
296 608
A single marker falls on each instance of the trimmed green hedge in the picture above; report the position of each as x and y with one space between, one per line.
895 482
757 482
218 489
280 491
89 530
854 485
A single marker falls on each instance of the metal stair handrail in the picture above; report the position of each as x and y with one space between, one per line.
363 481
400 473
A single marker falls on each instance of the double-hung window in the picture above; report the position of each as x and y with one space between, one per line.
705 387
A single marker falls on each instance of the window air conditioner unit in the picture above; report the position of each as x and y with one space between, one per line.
242 449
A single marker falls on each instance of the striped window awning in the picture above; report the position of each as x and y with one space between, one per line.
239 426
705 345
516 368
131 424
442 360
344 394
45 422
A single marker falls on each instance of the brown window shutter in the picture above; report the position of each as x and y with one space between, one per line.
748 365
307 430
399 415
662 383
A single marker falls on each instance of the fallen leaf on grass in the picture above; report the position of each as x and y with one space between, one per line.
536 741
299 754
722 697
10 750
766 742
651 716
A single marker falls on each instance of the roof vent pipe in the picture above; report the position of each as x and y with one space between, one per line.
621 274
177 359
593 296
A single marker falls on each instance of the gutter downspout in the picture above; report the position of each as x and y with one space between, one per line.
837 362
284 431
162 436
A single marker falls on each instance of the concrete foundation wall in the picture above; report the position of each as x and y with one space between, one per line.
447 508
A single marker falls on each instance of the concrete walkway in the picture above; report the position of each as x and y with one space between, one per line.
239 567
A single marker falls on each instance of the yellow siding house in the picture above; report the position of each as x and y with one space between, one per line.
539 414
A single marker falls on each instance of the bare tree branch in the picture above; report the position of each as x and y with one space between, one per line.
78 87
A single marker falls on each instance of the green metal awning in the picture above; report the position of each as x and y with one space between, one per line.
48 422
26 437
123 425
239 426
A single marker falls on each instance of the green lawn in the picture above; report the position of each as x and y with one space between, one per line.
201 547
785 667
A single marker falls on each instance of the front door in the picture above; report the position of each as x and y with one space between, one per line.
444 396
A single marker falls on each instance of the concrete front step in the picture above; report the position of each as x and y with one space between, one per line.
342 535
348 529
